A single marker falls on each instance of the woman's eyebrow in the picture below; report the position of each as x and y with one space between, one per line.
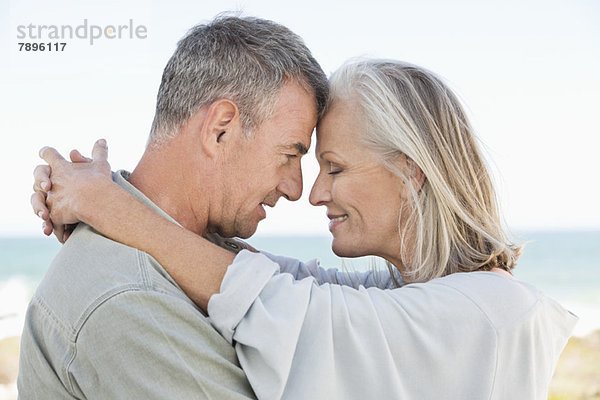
326 152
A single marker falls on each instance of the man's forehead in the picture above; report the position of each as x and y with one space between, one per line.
297 138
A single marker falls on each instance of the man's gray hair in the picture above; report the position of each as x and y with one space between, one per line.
244 59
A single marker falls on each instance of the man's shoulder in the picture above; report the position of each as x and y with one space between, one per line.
101 303
91 262
91 269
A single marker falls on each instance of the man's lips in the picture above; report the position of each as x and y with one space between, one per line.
261 207
261 211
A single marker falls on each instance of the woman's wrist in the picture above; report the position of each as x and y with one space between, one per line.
94 202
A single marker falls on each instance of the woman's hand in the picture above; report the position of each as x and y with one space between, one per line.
83 190
64 191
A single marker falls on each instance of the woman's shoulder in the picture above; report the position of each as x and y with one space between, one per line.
492 292
483 285
487 297
503 300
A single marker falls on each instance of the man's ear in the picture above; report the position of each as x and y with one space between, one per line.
222 122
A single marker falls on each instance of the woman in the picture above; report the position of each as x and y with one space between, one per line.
402 178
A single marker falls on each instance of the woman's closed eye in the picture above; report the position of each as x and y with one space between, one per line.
334 169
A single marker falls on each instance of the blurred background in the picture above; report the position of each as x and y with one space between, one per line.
527 72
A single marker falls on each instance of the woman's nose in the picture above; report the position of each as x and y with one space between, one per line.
320 193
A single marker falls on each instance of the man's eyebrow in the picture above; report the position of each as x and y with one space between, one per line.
299 146
302 149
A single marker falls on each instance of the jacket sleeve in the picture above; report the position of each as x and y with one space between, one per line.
300 270
326 340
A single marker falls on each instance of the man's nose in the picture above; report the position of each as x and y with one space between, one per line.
291 185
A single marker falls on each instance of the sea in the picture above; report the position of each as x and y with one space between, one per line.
565 265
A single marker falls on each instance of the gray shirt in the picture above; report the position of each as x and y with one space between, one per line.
108 322
303 332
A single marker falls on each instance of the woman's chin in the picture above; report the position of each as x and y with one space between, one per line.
346 250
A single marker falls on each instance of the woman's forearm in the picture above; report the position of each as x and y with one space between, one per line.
196 264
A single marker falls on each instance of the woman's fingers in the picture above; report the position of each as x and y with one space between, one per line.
47 227
51 156
38 203
59 230
67 230
56 205
77 157
100 150
62 232
41 178
99 153
58 208
41 186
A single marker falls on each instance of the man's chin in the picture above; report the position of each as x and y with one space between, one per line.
242 231
246 232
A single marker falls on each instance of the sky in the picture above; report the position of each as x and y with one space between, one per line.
527 71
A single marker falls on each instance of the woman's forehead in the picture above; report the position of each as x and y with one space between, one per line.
340 133
341 122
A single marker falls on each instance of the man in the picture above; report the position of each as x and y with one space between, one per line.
235 111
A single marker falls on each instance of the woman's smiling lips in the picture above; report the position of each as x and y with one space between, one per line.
335 220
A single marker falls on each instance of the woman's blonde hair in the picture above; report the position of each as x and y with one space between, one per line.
453 222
